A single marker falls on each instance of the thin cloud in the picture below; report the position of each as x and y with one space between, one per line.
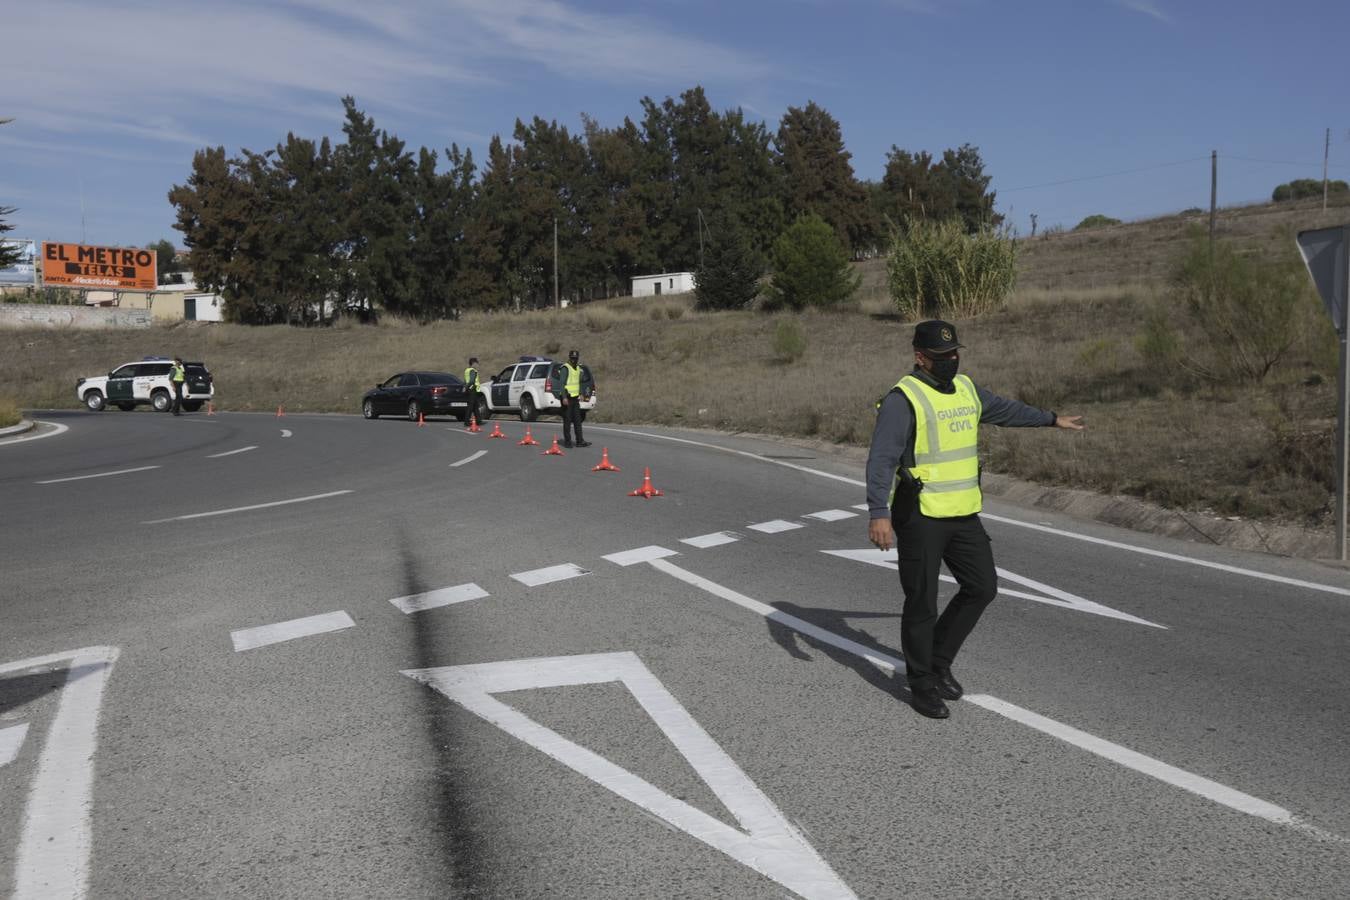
1147 8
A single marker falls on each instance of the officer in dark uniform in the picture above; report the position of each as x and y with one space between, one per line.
473 385
572 383
923 495
177 375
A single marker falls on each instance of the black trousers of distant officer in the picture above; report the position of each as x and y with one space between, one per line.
929 641
571 420
177 398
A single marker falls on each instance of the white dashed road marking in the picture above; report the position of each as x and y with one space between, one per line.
225 512
285 432
716 539
640 555
775 525
262 635
437 598
232 452
11 739
97 475
831 515
536 577
468 459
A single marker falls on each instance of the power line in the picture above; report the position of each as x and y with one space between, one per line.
1180 162
1282 162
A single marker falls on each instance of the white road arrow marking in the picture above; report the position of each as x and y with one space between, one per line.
887 559
11 739
285 432
768 844
53 855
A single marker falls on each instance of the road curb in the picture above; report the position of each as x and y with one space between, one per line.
24 425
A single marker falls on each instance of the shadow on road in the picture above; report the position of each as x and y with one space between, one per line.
837 622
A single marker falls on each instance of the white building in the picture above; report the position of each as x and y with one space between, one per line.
665 283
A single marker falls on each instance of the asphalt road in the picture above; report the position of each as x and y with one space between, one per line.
314 656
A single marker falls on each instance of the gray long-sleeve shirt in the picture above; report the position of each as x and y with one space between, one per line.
893 436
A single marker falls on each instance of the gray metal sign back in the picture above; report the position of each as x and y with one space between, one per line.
1326 253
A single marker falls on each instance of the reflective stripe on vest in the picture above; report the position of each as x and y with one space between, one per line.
946 451
573 380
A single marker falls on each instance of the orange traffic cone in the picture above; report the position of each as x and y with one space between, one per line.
605 465
527 440
555 450
280 413
647 491
210 408
497 431
473 424
421 420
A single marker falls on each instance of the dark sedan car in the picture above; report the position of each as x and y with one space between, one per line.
414 394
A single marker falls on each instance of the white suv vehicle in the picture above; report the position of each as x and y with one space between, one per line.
523 388
146 381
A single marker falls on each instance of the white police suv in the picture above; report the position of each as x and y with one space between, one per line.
524 388
146 381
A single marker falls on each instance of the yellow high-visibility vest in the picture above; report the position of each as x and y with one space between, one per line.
176 373
573 380
471 378
946 452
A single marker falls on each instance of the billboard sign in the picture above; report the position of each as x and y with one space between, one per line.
86 266
25 270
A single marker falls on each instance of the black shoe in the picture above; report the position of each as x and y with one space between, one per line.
927 702
567 444
583 443
947 686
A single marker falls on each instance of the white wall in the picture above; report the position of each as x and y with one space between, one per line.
671 283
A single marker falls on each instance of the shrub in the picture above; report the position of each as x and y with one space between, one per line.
810 267
1252 310
9 412
789 341
1159 341
1302 188
1095 221
936 269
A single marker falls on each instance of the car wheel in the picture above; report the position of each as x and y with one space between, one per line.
94 400
161 401
368 410
480 409
527 411
126 407
413 410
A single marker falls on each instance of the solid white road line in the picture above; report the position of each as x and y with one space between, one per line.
11 739
716 539
437 598
639 555
1175 557
536 577
775 525
1189 781
53 854
232 452
468 459
59 429
831 515
225 512
765 840
97 475
262 635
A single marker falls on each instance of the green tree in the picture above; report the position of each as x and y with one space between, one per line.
1097 220
729 276
10 253
912 189
165 263
967 185
1303 188
810 267
818 177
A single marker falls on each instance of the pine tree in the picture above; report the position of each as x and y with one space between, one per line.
818 177
729 276
810 267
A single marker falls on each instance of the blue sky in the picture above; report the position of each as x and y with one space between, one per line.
110 100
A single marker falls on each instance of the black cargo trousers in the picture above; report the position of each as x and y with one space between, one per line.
929 641
571 419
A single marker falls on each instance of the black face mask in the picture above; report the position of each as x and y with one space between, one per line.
944 370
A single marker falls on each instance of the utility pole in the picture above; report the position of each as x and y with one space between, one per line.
700 237
1213 195
556 305
1033 224
1326 154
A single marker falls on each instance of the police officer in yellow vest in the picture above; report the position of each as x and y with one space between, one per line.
572 383
473 385
923 495
177 375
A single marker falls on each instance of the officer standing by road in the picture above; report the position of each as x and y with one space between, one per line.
923 495
472 383
572 383
177 376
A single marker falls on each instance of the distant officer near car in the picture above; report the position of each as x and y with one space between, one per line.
472 383
572 383
923 496
177 376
